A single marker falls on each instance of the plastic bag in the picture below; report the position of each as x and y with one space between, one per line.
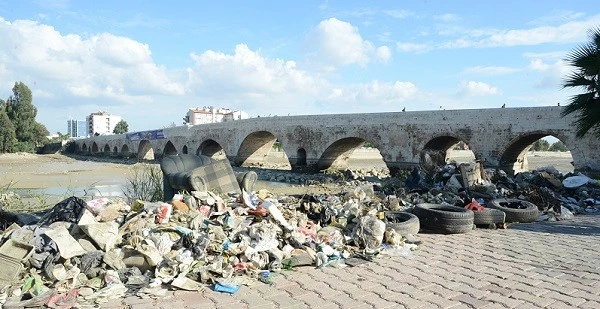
68 210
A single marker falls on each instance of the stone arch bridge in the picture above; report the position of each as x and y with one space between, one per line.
499 137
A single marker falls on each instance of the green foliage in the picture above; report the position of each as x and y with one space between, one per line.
11 201
70 147
277 146
8 138
40 134
21 113
145 183
121 127
61 137
586 75
540 145
558 146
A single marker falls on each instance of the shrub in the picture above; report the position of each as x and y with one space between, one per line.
145 183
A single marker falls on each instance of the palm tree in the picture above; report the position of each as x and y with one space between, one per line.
586 61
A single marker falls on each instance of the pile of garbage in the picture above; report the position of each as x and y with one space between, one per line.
88 252
557 196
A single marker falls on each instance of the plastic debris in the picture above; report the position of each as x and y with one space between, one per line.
103 249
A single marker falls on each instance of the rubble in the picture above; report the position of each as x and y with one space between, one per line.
87 252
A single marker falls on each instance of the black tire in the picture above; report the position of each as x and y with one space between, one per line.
403 223
516 210
489 216
444 218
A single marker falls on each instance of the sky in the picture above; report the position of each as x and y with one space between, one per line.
150 61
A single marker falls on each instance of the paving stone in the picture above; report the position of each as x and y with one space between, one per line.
497 289
113 304
587 296
572 301
377 302
134 300
441 302
471 301
503 300
312 299
294 306
590 305
343 300
442 291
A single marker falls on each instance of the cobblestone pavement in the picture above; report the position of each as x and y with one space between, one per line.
539 265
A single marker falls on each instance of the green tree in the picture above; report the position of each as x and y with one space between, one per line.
586 75
8 138
558 146
60 137
121 127
40 134
22 113
540 145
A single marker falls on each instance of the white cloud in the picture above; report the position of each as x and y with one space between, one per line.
557 17
72 76
262 86
399 14
571 31
384 54
374 95
473 88
490 70
447 17
552 56
101 66
120 51
247 71
338 43
552 72
411 47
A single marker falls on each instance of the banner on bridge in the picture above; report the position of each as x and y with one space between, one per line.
153 134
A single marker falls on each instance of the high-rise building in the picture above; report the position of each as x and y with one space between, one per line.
102 123
210 114
77 128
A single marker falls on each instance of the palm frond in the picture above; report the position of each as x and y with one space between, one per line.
588 119
578 80
578 102
585 59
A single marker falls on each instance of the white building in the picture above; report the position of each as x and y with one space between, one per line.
210 114
101 123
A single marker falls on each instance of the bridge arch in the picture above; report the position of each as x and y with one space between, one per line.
437 150
184 150
145 150
514 155
211 148
115 151
95 149
301 157
254 149
169 149
106 150
84 148
336 155
125 151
